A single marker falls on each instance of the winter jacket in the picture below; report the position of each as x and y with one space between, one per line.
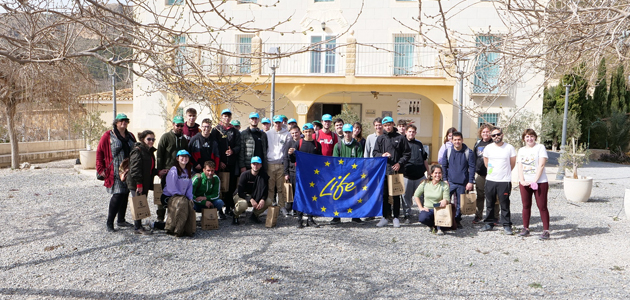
203 149
248 145
458 168
256 186
353 149
414 168
167 149
228 137
204 187
396 145
276 140
105 157
190 132
141 168
178 184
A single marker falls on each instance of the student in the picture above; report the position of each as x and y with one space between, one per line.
253 143
252 192
190 128
266 124
339 128
371 139
414 170
348 147
277 137
482 171
288 165
178 195
357 134
435 191
142 171
206 190
170 143
229 140
447 144
459 171
326 137
203 147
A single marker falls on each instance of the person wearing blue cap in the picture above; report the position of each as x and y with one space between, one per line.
253 143
291 123
252 191
229 140
395 147
169 144
266 124
348 147
326 137
114 147
277 137
178 196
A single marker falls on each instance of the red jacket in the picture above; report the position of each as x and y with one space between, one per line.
104 158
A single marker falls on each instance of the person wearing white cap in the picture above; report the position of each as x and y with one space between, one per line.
252 192
395 147
229 141
253 143
277 137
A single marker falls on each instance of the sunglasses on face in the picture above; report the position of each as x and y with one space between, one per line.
151 139
496 134
180 125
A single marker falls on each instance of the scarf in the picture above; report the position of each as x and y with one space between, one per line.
124 141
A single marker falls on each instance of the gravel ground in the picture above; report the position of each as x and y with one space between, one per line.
54 245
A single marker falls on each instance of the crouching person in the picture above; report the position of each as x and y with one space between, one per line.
253 188
206 190
177 197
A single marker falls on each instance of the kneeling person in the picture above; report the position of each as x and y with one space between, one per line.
253 188
206 190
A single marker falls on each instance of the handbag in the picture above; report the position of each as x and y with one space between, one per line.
395 184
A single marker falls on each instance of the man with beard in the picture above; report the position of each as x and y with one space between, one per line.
229 140
170 143
253 143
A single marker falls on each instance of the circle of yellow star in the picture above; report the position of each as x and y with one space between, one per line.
349 210
327 164
323 209
363 176
312 184
360 200
341 161
336 213
314 198
354 166
365 188
316 171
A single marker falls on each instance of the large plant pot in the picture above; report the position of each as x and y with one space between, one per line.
578 190
88 159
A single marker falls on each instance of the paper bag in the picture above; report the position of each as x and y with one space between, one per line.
468 204
157 194
140 208
209 219
395 184
272 216
288 190
225 181
444 216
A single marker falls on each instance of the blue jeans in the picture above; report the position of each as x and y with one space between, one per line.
457 189
427 218
218 204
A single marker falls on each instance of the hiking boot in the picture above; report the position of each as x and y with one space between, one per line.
544 235
487 227
357 220
524 232
110 228
508 230
222 216
396 223
254 218
142 231
382 222
235 220
335 221
310 220
300 223
124 224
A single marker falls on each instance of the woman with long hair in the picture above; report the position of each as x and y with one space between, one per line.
447 144
142 170
178 188
357 134
115 145
436 194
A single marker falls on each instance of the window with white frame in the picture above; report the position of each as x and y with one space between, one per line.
403 54
180 53
244 47
323 54
490 118
487 69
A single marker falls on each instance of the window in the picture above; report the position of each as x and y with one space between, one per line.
487 69
403 54
488 118
244 47
180 53
323 63
174 2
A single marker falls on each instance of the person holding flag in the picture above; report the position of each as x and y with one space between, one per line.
395 147
348 147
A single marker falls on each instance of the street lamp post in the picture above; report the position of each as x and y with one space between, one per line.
461 67
111 70
560 174
274 65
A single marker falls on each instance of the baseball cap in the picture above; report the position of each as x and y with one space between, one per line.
307 126
254 115
235 123
283 117
226 111
317 122
121 117
387 120
327 117
347 127
182 152
178 120
265 120
277 119
292 121
256 159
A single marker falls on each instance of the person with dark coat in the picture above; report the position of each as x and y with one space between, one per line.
253 143
459 171
229 140
395 147
115 145
190 128
203 147
253 187
142 170
170 143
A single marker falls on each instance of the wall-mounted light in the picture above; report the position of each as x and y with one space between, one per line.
324 26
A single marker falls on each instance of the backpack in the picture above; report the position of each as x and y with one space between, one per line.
448 154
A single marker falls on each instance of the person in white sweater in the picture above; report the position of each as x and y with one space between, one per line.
277 137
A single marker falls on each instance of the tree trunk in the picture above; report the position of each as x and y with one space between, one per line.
15 150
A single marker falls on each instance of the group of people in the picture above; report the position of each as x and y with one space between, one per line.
258 160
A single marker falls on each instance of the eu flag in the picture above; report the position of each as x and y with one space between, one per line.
341 187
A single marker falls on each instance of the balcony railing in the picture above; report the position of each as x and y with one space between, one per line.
389 59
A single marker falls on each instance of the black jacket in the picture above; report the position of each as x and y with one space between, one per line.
142 168
480 167
396 145
228 138
256 186
414 168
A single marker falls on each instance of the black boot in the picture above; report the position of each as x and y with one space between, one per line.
300 223
311 221
235 220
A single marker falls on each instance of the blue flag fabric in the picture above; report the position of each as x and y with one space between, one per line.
341 187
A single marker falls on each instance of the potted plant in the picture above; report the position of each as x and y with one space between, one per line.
92 127
576 188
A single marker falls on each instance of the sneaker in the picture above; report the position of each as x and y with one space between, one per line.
110 228
124 224
142 231
235 221
310 221
508 230
544 235
477 221
222 216
370 218
487 227
407 220
382 222
396 223
524 232
335 221
254 218
229 212
440 232
284 212
357 220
